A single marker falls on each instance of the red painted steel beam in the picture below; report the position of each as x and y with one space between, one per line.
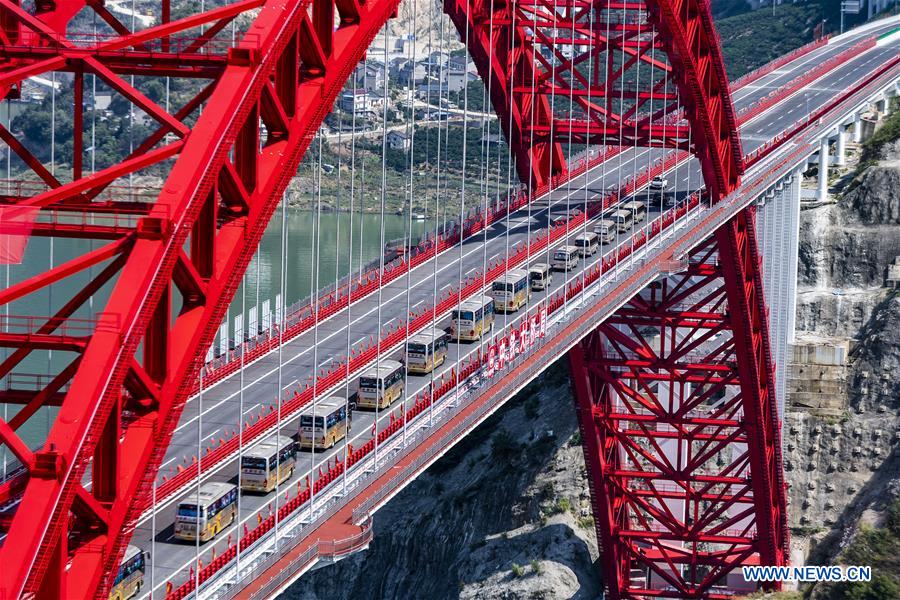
289 72
560 74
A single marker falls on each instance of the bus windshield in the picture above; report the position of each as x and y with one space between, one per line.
252 462
187 510
416 348
463 315
561 255
369 383
501 286
307 421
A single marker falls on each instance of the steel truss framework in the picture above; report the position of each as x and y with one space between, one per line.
169 263
681 434
607 72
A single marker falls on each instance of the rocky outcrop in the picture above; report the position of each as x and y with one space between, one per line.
844 469
505 514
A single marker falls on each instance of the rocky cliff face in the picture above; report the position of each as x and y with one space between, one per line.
845 470
504 515
845 248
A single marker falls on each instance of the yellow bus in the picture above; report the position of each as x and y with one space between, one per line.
324 424
268 463
210 511
130 578
379 387
472 319
511 291
426 351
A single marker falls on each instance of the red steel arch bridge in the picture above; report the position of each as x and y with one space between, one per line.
139 363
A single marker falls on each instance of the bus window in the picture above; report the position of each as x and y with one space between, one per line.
472 319
637 209
511 291
324 424
426 351
565 258
130 578
606 230
378 388
267 464
623 220
587 243
208 512
540 276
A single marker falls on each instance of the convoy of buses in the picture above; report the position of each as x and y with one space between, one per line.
205 513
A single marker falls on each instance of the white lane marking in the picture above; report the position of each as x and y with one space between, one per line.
210 435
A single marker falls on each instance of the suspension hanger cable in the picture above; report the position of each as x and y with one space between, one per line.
587 150
380 387
410 137
315 261
438 226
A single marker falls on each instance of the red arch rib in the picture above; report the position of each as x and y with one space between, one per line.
219 195
288 70
533 61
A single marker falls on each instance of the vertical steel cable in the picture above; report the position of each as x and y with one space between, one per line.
437 196
462 191
197 508
534 77
484 242
665 123
635 145
411 130
568 155
350 271
621 141
282 277
587 146
240 432
381 249
315 252
509 161
550 188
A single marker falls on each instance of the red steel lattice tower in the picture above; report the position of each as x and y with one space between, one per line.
681 432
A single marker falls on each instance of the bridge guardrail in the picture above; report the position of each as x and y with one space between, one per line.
798 82
779 62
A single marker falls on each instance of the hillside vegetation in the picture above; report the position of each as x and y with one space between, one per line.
752 39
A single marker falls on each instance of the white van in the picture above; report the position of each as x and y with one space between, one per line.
565 258
637 209
587 243
623 220
540 276
658 183
606 230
